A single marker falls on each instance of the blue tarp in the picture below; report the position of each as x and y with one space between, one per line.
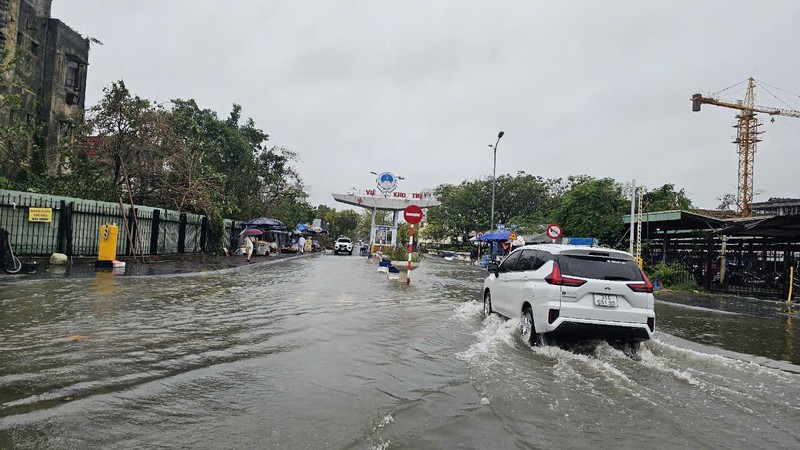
302 227
488 237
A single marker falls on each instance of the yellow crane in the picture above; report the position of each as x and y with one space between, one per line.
747 132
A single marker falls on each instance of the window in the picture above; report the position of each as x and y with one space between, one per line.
533 259
599 268
34 48
73 79
510 262
527 260
541 258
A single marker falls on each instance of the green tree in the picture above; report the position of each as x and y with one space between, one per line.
16 135
593 208
665 198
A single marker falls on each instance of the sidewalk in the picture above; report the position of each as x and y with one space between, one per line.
173 265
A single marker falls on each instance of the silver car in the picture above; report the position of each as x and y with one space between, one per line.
573 292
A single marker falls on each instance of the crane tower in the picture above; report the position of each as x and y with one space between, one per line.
747 132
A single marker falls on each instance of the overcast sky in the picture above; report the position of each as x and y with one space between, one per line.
420 88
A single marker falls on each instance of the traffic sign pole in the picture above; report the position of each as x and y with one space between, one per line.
410 249
413 215
554 232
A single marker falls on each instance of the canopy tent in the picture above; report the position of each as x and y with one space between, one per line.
491 237
264 222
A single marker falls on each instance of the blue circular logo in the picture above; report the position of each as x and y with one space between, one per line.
387 182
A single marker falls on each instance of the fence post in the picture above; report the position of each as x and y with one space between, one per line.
788 263
67 214
155 226
203 234
182 234
61 231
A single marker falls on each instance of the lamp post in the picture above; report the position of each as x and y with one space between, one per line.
494 177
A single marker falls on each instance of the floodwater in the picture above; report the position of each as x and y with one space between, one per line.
325 352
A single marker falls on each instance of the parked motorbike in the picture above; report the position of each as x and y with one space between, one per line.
8 260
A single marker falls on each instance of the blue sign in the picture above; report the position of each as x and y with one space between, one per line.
387 182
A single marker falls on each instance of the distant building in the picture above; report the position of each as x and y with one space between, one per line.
50 76
777 207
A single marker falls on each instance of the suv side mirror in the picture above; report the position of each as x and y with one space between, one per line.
493 268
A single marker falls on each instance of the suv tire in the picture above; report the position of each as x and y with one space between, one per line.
487 304
527 330
631 350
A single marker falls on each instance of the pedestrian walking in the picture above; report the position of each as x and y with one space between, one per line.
248 247
301 245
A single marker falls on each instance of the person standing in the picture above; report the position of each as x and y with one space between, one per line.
248 247
301 245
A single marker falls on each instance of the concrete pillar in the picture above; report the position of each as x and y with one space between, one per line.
395 219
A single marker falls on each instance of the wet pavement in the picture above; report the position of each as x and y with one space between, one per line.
325 352
163 266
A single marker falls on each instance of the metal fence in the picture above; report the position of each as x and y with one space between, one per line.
753 266
72 226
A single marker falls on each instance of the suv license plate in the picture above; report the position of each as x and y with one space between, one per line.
605 300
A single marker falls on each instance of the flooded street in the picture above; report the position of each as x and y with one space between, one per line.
324 352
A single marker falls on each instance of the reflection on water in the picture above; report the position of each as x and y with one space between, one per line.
744 325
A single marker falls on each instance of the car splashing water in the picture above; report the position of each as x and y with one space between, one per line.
325 352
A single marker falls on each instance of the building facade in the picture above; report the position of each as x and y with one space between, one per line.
777 207
47 68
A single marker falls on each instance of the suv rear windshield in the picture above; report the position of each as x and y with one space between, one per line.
599 268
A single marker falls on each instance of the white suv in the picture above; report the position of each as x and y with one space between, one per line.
343 244
573 292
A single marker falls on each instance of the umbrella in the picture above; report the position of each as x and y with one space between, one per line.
251 232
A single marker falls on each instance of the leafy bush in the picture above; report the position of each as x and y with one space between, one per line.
399 254
672 276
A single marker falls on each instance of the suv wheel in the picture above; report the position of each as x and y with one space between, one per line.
631 350
487 304
527 330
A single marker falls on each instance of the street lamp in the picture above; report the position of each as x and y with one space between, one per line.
494 170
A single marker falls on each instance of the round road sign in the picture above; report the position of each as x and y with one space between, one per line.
553 231
412 214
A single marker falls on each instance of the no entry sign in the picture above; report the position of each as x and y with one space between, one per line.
554 231
412 214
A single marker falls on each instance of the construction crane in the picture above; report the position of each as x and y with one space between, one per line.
747 133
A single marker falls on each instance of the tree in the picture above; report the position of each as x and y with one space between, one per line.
523 200
665 198
593 208
727 202
16 136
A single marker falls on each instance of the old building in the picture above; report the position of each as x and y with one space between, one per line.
777 207
46 66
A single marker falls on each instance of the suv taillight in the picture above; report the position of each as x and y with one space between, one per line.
645 286
556 278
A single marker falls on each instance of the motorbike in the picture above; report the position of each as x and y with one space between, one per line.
8 260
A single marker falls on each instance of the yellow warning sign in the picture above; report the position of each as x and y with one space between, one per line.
40 214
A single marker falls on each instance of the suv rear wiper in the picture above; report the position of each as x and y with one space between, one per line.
613 278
